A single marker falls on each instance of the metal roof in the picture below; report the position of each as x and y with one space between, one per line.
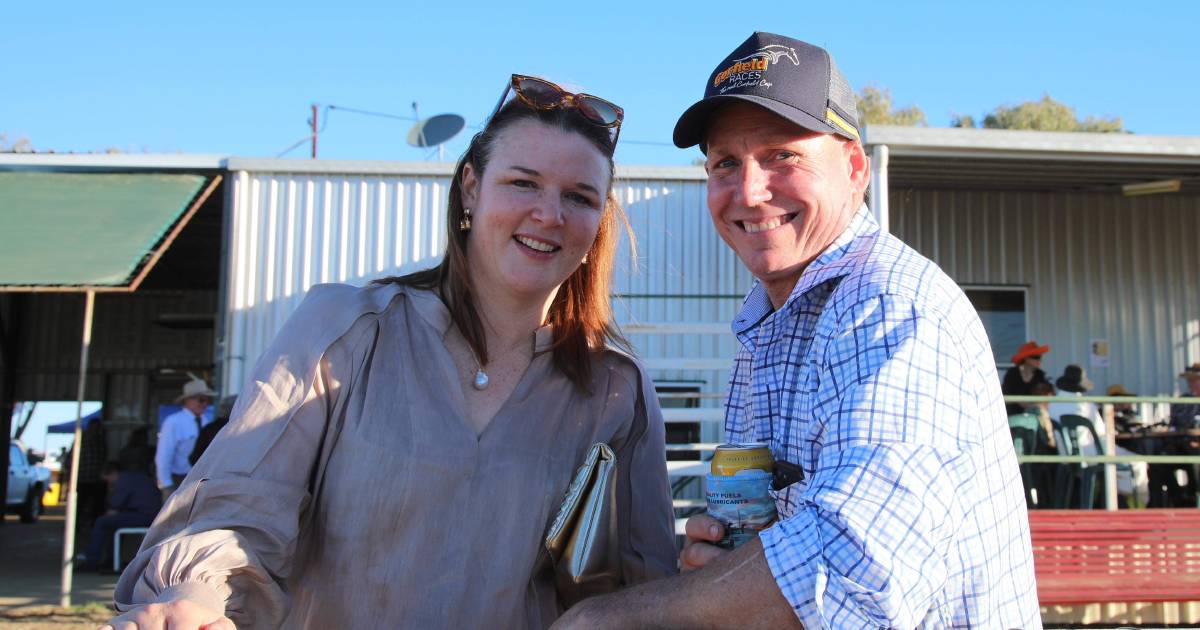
95 231
114 161
995 159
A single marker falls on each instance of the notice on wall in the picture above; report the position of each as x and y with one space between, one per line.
1099 354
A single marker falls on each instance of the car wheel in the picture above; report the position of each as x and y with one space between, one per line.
32 510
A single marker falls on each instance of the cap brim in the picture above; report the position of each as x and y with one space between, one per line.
689 130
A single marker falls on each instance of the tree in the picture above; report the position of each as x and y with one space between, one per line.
20 145
875 108
1044 115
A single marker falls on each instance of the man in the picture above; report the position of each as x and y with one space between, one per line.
863 365
177 436
209 432
1184 417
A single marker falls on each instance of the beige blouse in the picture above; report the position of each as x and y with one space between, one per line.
350 491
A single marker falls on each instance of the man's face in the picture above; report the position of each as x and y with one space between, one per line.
197 404
1194 386
779 194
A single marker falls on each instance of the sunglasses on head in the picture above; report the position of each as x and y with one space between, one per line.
542 94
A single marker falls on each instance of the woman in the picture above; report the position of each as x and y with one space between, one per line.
402 448
1025 374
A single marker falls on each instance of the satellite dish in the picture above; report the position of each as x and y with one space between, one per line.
435 130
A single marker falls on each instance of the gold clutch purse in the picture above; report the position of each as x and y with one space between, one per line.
582 540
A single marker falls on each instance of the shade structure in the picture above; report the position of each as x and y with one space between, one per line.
100 230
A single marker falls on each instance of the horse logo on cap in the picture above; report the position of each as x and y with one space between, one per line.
773 52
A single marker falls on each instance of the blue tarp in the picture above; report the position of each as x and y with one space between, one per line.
163 412
69 426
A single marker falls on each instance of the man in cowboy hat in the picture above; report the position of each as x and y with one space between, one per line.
863 367
177 435
1188 416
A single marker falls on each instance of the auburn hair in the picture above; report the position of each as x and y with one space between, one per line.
581 312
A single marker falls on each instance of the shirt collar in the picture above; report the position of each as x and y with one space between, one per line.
431 309
837 260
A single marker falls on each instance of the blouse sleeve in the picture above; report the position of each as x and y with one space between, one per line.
646 518
227 536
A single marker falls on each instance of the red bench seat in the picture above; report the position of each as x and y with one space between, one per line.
1085 556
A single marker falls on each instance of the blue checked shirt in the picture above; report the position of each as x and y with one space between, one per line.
877 379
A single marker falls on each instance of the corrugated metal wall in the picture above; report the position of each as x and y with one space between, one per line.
1098 266
293 230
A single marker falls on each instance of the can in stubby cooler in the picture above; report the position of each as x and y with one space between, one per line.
738 491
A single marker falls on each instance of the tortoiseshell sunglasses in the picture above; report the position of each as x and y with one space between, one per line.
542 94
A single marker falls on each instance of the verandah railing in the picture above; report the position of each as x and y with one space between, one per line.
715 415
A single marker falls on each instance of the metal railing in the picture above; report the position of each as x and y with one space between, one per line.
716 415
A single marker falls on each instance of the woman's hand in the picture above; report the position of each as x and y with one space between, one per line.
180 614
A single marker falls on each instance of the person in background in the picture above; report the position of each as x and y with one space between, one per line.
134 500
1047 444
210 430
92 460
137 451
1133 480
1024 375
1125 415
1187 417
177 436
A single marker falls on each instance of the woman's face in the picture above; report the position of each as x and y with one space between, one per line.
535 211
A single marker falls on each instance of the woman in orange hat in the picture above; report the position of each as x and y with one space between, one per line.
1025 373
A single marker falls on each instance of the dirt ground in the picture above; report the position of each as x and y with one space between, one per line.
44 617
30 579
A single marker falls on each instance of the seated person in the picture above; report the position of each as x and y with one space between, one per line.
1125 416
133 501
1186 417
1024 375
1133 480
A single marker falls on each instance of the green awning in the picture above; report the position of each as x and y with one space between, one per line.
83 229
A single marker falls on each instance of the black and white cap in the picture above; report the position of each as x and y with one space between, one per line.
791 78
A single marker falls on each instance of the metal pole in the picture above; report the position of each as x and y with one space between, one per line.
1110 448
72 497
879 186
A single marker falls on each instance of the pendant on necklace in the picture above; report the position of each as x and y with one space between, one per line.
481 380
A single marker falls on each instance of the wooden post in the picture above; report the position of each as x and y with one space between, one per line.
72 497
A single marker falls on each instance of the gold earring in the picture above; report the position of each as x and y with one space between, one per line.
464 224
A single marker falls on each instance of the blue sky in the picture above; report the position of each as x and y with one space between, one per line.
237 78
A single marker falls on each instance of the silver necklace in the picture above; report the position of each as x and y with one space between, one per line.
480 381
